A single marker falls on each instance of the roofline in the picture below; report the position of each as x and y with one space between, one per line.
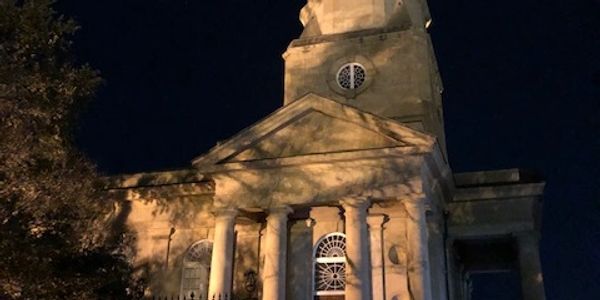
149 179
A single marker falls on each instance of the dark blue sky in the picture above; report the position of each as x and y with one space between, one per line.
522 89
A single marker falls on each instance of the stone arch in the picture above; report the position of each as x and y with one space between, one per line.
195 270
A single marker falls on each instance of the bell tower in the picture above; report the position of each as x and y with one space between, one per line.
375 55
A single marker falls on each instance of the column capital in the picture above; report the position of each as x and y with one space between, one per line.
532 279
279 211
376 221
225 212
358 202
527 241
526 235
310 222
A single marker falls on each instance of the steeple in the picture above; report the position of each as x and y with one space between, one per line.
323 17
375 55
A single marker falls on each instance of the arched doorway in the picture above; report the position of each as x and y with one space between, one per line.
196 270
329 267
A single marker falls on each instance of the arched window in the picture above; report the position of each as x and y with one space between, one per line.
196 270
329 266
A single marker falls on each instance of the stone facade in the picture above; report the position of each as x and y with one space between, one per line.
343 193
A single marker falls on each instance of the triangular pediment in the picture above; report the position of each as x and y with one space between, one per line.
311 133
313 125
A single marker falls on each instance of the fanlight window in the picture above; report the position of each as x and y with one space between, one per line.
196 270
330 265
351 76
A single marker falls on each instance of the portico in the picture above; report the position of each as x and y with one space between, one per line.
361 269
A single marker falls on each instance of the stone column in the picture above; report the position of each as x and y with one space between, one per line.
451 273
274 275
418 250
377 272
358 285
532 282
221 265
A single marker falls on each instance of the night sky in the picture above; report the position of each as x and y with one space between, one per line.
522 89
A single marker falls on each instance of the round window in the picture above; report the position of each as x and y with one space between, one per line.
351 76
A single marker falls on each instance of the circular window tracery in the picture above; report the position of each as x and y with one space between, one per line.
332 245
351 76
330 265
200 252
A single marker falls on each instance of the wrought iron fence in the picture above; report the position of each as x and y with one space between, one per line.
174 297
192 296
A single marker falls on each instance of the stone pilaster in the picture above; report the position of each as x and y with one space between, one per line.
418 250
377 274
274 272
358 285
300 260
437 264
452 272
532 282
221 265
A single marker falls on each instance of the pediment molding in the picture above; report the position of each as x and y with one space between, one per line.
307 128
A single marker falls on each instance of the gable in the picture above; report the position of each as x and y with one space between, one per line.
311 133
313 125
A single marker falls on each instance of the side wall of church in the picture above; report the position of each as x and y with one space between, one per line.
394 251
246 267
164 231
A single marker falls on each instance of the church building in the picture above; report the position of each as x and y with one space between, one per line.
345 192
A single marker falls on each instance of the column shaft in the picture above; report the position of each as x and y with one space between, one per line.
436 257
377 272
532 282
418 260
221 265
358 285
452 269
274 272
